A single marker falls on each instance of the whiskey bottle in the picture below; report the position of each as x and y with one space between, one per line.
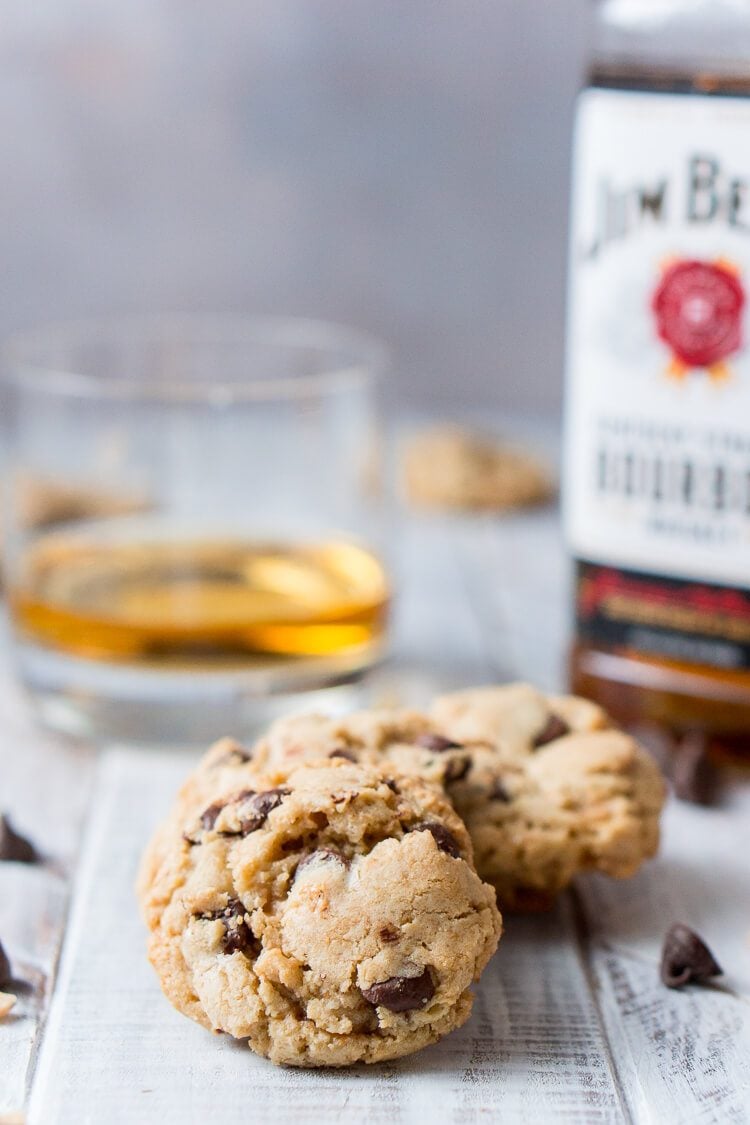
657 429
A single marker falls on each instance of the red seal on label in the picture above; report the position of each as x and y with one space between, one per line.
698 308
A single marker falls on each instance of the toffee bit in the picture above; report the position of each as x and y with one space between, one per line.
686 959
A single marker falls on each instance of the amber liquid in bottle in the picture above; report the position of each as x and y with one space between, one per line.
642 689
204 604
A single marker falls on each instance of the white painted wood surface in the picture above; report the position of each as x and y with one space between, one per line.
571 1023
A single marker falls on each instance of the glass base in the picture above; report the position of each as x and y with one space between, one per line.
105 703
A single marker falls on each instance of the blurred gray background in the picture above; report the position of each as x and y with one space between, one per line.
401 166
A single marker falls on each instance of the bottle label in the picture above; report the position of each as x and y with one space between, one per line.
657 447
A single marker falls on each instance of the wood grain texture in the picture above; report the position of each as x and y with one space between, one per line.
44 786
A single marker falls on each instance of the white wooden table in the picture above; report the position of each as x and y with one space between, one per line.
571 1023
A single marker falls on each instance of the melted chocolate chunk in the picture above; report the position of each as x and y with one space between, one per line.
401 994
499 792
340 752
554 728
15 847
238 937
442 836
686 959
436 742
6 976
694 778
260 805
456 770
322 855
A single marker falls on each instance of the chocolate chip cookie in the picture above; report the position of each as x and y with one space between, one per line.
331 918
553 789
544 784
451 468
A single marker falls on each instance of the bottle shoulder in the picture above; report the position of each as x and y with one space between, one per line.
695 45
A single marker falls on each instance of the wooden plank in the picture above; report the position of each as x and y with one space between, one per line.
681 1056
44 786
115 1051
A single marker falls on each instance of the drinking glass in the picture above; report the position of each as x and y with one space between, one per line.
194 522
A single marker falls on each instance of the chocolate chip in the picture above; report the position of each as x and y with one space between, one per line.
392 785
15 847
498 792
389 934
685 958
340 752
238 937
322 855
442 836
694 778
210 815
261 804
436 742
456 770
401 994
6 975
554 728
238 755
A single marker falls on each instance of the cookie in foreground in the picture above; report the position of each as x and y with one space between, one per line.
331 920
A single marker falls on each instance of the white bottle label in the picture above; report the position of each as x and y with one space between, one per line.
657 448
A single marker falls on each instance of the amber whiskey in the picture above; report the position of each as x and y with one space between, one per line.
657 494
203 603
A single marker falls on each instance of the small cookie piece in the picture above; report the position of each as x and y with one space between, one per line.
447 467
7 1003
330 919
553 790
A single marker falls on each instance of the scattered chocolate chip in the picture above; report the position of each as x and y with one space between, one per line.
401 994
14 846
498 792
6 975
392 785
436 742
340 752
238 937
261 804
191 840
685 958
442 836
456 770
694 778
389 934
322 855
554 728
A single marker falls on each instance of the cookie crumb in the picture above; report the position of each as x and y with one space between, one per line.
7 1002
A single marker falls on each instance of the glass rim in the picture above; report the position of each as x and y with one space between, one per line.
355 357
